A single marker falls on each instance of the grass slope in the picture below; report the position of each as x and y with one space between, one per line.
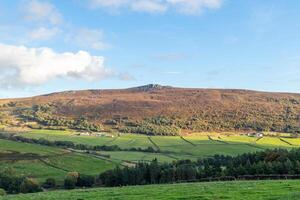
55 162
44 162
173 148
241 190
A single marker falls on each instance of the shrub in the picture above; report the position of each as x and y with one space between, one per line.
10 181
85 181
69 183
2 192
30 185
71 180
49 183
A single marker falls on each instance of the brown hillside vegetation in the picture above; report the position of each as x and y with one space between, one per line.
194 109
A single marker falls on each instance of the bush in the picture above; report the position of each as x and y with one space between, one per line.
30 185
85 181
10 181
49 183
69 183
71 180
2 192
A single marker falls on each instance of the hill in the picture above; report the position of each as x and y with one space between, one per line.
144 108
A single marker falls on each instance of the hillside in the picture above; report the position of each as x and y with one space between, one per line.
187 109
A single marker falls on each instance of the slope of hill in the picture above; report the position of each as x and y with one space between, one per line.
188 109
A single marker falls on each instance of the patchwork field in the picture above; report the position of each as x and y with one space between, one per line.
188 147
42 162
250 190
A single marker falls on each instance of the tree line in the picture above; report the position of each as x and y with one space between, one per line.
269 164
148 128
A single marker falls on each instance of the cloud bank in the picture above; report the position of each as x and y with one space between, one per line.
22 66
189 7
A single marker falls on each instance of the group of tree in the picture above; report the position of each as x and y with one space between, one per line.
148 128
44 115
251 120
75 179
13 183
271 164
164 125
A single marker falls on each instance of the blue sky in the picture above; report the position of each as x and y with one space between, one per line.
56 45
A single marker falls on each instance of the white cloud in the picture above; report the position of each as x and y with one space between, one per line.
190 7
22 66
88 38
108 3
42 11
43 33
195 6
148 6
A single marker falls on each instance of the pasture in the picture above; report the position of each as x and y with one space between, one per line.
250 190
191 146
42 162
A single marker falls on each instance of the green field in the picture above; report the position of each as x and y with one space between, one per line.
241 190
172 148
42 162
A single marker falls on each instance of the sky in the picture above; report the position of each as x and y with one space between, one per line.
53 45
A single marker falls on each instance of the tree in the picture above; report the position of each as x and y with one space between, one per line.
49 183
85 181
71 180
2 192
30 185
10 181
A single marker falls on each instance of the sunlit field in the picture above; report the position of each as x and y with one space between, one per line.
42 161
250 190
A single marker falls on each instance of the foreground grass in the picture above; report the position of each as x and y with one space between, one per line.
244 190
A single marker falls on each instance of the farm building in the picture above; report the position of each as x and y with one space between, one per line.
256 134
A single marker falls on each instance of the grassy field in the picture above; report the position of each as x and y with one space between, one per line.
242 190
43 162
55 162
172 148
6 145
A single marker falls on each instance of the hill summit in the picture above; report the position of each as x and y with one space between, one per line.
149 87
